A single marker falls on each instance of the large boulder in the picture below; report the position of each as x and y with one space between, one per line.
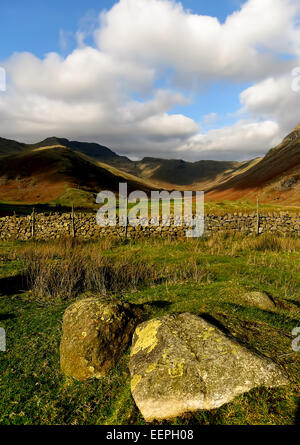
95 333
182 363
259 300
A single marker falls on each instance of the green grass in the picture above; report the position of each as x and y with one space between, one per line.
33 391
247 206
80 199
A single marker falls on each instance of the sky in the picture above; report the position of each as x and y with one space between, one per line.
196 79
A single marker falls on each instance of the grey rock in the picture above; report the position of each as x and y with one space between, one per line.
182 363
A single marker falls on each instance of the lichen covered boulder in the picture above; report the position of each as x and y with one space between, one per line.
259 300
95 334
182 363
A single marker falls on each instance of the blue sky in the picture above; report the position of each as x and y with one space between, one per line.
219 107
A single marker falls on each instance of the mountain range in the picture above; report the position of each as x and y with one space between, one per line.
60 171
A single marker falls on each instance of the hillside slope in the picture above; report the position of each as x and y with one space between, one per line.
275 177
9 147
44 174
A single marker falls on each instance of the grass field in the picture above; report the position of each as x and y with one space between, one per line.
205 277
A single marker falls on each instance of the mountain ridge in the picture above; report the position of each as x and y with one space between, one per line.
158 171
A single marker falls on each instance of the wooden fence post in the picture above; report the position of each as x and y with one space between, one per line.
126 229
258 219
73 223
33 224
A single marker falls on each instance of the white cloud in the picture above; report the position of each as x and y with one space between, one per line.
244 140
85 74
273 98
160 33
91 94
131 127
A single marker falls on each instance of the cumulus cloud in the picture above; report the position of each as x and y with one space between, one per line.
274 98
244 140
86 74
108 92
161 33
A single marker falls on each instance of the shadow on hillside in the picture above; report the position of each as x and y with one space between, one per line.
14 284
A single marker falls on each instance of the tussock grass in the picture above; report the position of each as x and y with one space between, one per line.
273 243
69 268
232 244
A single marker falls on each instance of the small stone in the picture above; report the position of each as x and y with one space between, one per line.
259 300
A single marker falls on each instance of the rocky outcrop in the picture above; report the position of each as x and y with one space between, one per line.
182 363
95 334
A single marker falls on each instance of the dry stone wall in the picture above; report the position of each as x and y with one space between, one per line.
84 226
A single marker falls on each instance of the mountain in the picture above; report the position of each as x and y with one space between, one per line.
168 173
60 170
162 172
58 174
93 150
180 174
96 151
9 147
276 177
